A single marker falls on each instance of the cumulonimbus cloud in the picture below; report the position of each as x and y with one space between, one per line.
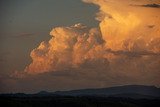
122 46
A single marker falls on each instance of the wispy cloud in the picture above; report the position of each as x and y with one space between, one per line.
151 5
148 5
25 35
151 26
133 53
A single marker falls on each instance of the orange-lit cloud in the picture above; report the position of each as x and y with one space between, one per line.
125 48
68 48
120 21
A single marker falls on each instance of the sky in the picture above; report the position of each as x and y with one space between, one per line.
73 44
24 24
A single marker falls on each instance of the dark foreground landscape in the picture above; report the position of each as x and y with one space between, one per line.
85 101
123 96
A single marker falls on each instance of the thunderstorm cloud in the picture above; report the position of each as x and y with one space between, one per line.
123 49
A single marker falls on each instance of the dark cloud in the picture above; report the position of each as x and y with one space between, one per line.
148 5
65 73
151 26
133 53
151 5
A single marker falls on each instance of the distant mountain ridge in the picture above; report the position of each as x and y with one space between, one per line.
127 91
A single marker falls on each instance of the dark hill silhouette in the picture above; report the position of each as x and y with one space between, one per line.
128 91
123 91
120 96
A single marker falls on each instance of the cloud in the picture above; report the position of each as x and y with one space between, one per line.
133 54
121 50
151 26
151 5
148 5
69 46
121 46
25 35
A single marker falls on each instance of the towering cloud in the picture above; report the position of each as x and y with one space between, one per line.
68 48
125 46
120 22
